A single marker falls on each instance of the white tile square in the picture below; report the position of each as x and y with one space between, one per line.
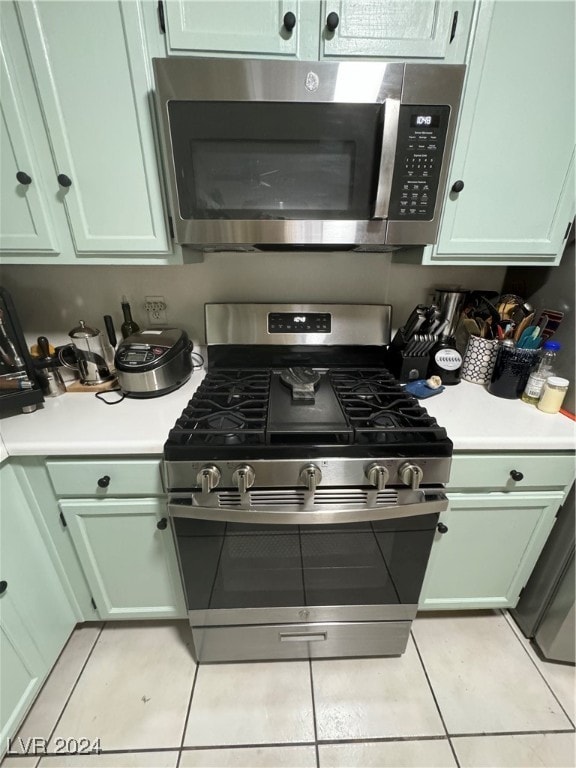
261 703
135 689
482 680
432 753
250 757
116 760
374 698
531 750
49 704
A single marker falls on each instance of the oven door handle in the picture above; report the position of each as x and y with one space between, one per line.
276 515
387 158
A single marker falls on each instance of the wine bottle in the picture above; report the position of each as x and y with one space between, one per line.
128 327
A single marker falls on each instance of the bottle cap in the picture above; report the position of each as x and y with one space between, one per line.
557 381
553 346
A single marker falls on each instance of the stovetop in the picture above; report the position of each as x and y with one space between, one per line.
251 413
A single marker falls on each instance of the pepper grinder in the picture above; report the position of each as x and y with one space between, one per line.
49 376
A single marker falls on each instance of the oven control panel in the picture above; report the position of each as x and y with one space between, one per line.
419 152
299 322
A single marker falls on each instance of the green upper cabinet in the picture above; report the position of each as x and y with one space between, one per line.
317 29
91 65
515 143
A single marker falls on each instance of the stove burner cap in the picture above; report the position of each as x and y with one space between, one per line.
302 381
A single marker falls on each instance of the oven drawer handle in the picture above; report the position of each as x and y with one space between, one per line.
316 637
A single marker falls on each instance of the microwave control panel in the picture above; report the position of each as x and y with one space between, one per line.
419 152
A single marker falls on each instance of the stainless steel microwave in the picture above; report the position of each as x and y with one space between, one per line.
328 155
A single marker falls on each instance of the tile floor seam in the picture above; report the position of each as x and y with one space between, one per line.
80 673
380 740
314 713
508 619
257 745
187 715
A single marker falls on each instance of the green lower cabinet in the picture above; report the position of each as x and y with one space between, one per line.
129 562
489 550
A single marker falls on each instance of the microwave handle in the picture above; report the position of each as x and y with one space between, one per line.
386 172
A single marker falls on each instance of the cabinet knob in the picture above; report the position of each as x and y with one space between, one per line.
3 587
64 181
23 178
289 21
104 482
458 186
162 524
517 476
442 528
332 21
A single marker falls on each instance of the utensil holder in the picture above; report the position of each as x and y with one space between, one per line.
512 368
479 360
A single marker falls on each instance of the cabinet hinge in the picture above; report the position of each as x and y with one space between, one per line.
93 603
161 19
454 25
63 520
171 227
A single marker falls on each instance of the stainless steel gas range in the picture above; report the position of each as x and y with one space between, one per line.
304 487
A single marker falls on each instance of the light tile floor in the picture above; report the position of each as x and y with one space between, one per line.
469 691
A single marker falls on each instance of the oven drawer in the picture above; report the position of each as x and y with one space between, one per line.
106 477
300 641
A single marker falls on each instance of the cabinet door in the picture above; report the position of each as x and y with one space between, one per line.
423 29
92 69
490 548
243 27
129 563
515 144
24 216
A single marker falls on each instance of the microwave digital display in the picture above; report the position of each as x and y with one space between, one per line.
425 121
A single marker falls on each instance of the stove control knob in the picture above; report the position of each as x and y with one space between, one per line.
208 477
377 475
411 474
244 477
311 476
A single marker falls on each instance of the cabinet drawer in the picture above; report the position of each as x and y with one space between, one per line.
106 477
496 471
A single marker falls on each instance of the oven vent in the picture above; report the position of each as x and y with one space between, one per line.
337 497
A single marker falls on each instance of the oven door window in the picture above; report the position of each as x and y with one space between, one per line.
268 160
230 565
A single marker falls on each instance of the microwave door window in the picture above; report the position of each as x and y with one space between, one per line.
259 160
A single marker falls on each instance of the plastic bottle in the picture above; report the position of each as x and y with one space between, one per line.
537 379
553 395
128 327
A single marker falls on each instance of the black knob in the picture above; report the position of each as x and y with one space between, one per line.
3 587
64 181
517 476
23 178
332 21
162 524
458 186
104 482
441 528
289 21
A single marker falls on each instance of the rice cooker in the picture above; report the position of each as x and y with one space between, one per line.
153 362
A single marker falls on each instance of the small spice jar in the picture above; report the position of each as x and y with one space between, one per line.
553 394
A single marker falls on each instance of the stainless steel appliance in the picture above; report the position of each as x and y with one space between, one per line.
304 487
88 355
153 362
19 385
311 154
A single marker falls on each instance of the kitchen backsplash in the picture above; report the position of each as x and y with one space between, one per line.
52 299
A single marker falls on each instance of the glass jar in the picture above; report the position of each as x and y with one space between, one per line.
555 389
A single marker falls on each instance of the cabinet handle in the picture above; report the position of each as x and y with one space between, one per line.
104 482
162 524
332 21
458 186
442 528
64 181
3 587
289 21
517 476
23 178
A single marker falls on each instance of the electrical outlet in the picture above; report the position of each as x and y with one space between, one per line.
156 308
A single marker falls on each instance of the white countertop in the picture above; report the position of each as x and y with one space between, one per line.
80 424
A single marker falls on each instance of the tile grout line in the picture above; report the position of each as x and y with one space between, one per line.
435 699
508 620
316 747
187 715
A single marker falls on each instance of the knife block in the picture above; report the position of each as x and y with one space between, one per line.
407 367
